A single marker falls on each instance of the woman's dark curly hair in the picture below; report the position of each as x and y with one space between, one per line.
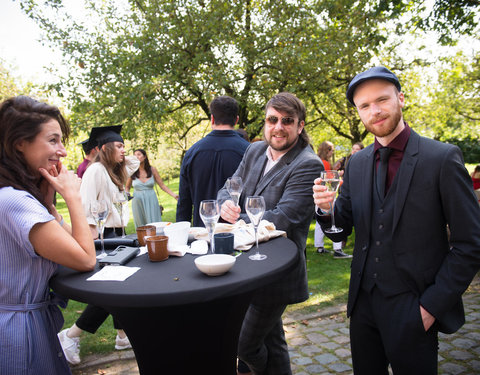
21 119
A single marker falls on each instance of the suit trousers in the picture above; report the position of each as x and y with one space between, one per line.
389 330
262 345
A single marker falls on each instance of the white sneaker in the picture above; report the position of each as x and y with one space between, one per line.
70 346
121 344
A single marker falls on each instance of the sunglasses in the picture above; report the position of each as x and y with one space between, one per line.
272 120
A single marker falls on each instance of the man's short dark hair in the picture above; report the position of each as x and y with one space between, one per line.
224 110
292 106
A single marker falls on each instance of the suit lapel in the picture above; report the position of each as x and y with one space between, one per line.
404 176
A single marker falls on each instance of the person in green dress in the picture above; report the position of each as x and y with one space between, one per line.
145 206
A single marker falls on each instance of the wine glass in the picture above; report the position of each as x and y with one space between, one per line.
234 187
210 213
99 210
120 201
255 207
331 180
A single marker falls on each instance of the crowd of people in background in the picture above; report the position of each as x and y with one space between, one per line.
405 268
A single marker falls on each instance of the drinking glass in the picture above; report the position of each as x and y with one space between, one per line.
99 210
331 180
120 201
234 187
255 207
210 213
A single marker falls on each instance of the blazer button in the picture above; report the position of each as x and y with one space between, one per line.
359 274
380 226
375 275
378 243
364 248
377 259
380 211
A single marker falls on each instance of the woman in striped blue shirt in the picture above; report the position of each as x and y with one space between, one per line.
33 236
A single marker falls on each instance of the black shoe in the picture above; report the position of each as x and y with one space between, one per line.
321 250
339 254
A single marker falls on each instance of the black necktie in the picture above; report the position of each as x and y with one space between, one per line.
382 170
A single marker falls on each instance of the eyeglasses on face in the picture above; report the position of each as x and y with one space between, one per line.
272 120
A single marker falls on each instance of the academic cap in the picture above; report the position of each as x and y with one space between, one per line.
106 134
377 72
87 145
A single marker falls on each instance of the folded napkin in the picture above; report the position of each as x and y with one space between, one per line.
113 273
244 234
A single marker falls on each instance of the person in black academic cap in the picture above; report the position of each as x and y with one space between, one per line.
407 275
90 150
105 177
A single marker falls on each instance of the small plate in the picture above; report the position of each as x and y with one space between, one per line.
160 225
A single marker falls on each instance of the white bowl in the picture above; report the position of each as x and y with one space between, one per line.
177 234
215 264
160 225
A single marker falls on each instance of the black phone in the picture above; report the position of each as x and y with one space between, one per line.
119 257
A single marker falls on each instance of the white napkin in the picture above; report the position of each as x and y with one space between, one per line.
198 247
178 250
244 234
113 273
143 250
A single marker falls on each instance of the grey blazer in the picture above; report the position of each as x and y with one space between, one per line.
287 190
433 190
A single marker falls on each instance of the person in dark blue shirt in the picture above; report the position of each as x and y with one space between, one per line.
209 162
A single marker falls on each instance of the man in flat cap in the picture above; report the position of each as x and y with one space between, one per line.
407 276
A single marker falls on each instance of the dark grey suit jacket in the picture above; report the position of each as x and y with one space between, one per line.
287 190
434 189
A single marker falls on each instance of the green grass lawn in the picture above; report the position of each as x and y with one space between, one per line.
327 278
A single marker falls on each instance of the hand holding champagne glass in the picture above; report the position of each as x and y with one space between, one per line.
210 213
99 210
331 180
234 187
255 208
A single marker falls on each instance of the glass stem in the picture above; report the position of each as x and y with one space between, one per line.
212 243
332 214
256 237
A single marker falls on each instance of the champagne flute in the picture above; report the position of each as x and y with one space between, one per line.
210 213
120 201
255 207
331 180
234 187
99 210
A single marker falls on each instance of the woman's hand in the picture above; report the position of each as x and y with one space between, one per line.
59 179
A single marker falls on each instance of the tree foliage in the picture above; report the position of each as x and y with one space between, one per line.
155 65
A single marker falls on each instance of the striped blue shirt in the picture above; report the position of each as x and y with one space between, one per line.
28 319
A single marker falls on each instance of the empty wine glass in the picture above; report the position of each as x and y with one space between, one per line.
255 207
120 202
210 213
331 180
99 210
234 187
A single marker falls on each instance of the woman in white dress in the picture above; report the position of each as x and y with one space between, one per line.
104 178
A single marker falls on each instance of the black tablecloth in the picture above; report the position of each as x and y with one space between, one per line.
179 320
177 280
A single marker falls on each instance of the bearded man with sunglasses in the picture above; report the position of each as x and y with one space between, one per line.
282 169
